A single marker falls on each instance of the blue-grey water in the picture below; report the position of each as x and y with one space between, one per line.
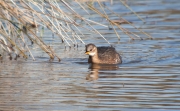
148 79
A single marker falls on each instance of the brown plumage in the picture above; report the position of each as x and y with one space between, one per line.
102 55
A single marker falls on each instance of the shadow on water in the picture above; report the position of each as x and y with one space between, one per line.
103 69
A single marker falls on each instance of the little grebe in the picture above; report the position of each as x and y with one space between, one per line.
102 55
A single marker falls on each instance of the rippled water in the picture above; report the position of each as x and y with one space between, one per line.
148 79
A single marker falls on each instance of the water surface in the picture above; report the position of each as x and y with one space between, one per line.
147 80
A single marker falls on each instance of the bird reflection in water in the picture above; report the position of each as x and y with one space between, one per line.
95 68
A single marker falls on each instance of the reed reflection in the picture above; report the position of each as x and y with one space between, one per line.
95 68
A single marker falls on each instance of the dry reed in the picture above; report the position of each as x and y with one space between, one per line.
20 20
